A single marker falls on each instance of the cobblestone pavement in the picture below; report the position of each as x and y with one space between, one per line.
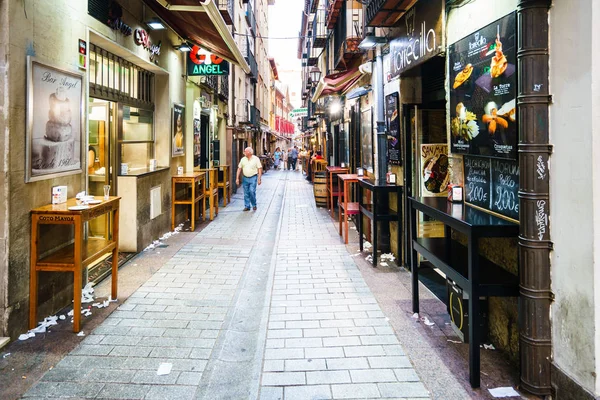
258 305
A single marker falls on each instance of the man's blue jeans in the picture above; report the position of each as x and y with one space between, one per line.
249 185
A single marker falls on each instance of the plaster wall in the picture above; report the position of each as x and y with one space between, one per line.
574 191
50 30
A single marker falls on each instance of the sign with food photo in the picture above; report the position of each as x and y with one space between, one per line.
483 91
393 127
435 171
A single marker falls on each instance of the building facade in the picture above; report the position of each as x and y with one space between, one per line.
488 91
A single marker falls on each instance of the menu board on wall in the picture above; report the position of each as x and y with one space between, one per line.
483 88
435 171
392 119
366 129
492 184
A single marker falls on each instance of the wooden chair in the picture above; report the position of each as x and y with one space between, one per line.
223 183
211 191
346 208
317 166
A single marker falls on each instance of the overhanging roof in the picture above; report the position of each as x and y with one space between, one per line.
336 83
200 21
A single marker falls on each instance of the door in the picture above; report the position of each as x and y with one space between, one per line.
422 126
204 144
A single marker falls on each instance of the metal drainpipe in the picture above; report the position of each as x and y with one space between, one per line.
534 196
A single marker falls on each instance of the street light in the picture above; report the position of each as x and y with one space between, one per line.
155 24
371 41
315 74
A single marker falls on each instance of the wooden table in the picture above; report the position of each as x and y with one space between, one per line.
377 213
223 183
194 182
473 273
333 190
211 191
74 257
346 208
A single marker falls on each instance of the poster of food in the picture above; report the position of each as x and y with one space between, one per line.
366 129
178 125
435 171
483 90
54 121
392 119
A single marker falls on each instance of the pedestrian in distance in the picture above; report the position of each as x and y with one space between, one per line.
284 157
251 168
293 158
277 157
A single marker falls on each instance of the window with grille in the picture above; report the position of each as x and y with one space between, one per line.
116 79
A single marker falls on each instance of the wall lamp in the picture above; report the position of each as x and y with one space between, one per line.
183 47
155 24
371 41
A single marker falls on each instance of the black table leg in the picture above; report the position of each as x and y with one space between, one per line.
474 329
414 260
374 229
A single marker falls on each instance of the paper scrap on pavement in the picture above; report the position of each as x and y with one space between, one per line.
504 392
81 334
62 317
415 315
427 322
164 369
383 264
489 347
454 341
6 355
388 256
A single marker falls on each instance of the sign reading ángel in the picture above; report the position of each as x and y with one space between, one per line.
202 62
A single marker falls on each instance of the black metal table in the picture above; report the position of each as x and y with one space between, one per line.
375 212
476 275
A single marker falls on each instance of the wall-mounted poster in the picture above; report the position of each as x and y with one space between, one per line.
54 121
178 130
435 171
366 130
392 119
483 91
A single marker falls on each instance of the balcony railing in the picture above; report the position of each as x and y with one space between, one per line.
224 87
250 17
333 12
226 9
347 35
251 60
242 111
212 81
385 13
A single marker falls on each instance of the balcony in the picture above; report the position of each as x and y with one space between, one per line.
333 12
242 112
385 13
226 9
212 81
313 6
255 116
347 35
250 19
224 87
319 31
251 60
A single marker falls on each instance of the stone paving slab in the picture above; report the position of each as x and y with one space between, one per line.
266 304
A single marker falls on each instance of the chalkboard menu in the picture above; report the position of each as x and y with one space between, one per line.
392 119
483 88
492 184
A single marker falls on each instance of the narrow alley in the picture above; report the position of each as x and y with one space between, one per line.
257 305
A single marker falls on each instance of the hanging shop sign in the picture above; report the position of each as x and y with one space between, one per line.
392 120
483 87
142 38
299 112
421 37
201 62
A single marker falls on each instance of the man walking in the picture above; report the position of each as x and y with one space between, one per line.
293 158
252 168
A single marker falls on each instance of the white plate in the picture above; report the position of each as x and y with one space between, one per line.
78 208
94 201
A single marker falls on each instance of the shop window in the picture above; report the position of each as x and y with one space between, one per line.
136 141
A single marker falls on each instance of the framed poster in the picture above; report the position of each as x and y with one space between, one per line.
54 131
366 135
178 122
435 171
483 91
392 119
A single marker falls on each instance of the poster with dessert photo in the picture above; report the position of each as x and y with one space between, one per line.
178 130
483 91
54 121
435 170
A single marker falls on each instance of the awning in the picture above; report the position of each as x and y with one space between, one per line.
340 82
357 92
200 21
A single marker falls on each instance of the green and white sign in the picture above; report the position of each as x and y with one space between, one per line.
299 112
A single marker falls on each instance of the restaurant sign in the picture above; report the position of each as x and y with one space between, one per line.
421 37
201 62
